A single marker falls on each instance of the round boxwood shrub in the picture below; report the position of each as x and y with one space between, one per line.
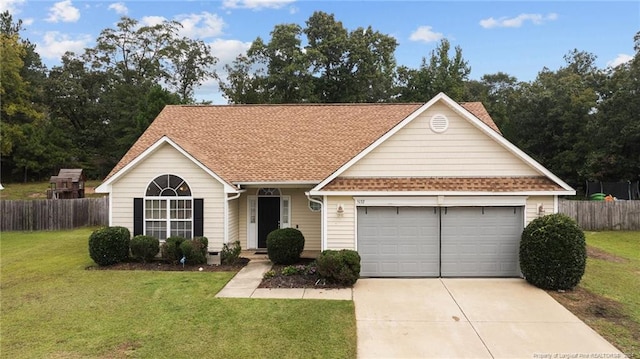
144 248
553 252
341 267
285 245
170 249
193 251
109 245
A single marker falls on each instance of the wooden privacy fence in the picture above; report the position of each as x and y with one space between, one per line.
603 215
53 214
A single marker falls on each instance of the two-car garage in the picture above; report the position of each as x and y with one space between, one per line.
412 241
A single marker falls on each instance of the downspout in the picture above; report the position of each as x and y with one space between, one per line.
322 219
226 214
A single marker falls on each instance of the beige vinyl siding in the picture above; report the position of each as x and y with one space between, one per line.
302 218
232 222
341 227
308 222
167 160
461 151
532 207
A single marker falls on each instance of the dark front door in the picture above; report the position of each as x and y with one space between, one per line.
268 218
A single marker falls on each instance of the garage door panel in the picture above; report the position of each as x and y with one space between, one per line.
481 242
398 241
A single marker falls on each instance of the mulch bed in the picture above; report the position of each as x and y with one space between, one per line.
160 265
280 280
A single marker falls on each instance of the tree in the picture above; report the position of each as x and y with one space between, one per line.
440 74
356 66
497 92
335 66
615 131
287 78
131 63
21 112
243 84
550 116
143 55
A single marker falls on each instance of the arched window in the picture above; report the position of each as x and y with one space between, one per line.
168 208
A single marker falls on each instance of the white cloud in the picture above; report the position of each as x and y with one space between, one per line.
227 50
619 60
28 21
194 26
537 19
425 34
119 7
152 20
54 44
200 26
63 11
12 6
255 4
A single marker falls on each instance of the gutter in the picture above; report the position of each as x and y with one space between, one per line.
225 238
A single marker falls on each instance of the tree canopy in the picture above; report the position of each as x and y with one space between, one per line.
580 121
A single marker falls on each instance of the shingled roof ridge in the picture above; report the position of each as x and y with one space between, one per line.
306 104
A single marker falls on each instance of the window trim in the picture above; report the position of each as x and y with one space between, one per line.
310 204
168 201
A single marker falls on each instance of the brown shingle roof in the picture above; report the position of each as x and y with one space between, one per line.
470 184
276 143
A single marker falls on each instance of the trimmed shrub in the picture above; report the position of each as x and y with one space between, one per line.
553 252
230 253
341 267
170 249
285 245
193 251
144 248
109 245
204 244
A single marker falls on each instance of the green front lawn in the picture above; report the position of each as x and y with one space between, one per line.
52 307
608 297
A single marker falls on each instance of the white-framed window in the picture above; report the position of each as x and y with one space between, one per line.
315 206
168 208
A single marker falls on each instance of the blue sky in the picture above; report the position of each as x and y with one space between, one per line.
519 38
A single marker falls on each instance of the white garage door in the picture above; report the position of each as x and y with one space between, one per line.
433 242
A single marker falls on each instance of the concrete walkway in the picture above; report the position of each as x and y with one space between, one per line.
245 285
468 318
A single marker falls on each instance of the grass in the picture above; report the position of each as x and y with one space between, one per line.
608 297
53 307
37 190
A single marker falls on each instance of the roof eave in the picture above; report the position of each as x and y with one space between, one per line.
105 187
441 193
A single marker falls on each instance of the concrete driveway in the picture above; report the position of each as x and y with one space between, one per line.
468 318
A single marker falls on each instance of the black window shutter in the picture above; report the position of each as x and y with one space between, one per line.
138 216
198 217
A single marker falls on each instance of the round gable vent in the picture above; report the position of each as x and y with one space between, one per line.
439 123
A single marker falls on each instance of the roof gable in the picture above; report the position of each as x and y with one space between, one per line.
487 128
105 186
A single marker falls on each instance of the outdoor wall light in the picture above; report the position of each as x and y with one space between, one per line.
340 208
540 209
